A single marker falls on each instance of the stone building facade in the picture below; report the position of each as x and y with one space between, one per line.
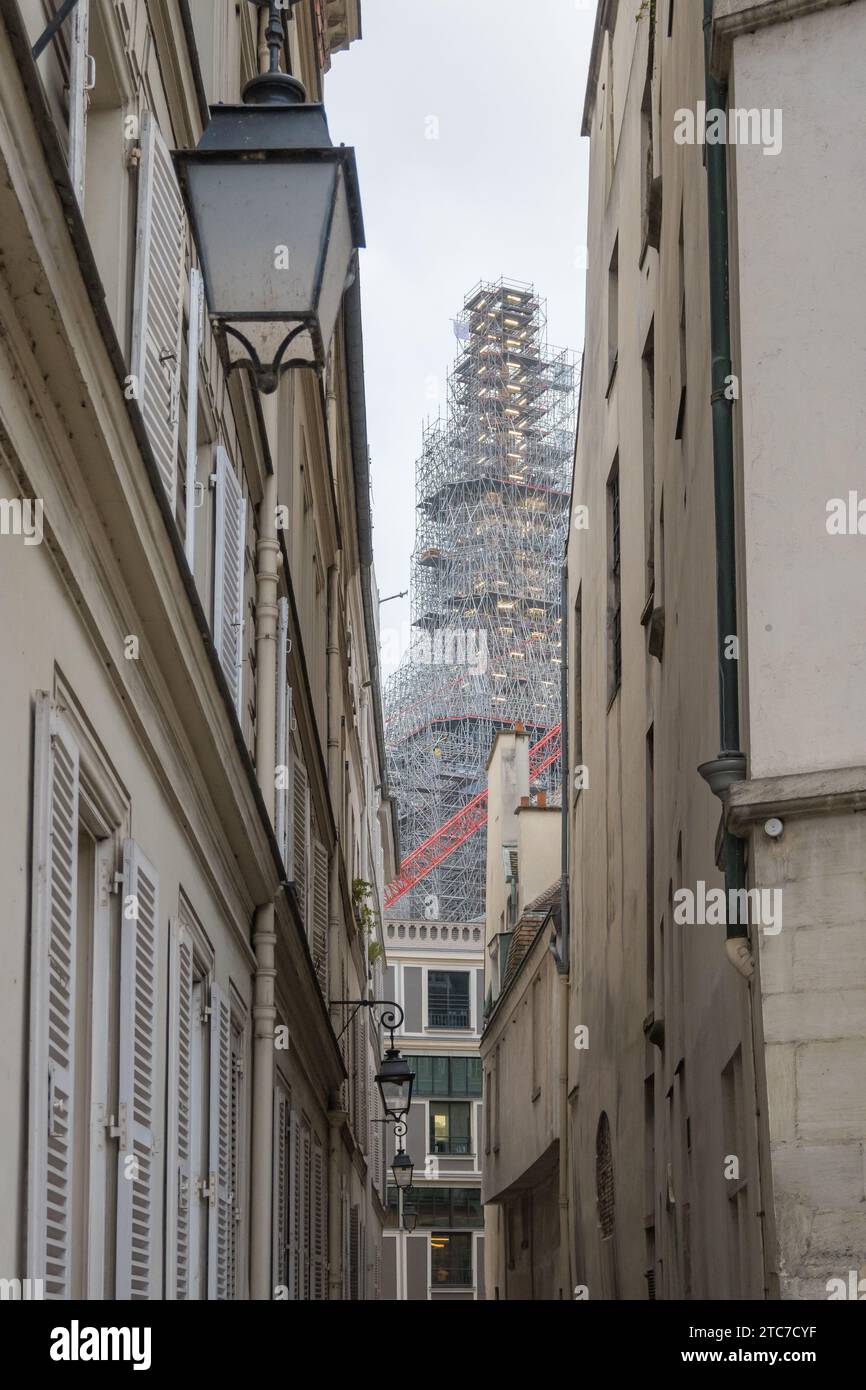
190 713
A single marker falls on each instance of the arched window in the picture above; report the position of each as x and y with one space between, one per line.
604 1177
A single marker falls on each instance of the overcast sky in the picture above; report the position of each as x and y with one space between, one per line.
465 115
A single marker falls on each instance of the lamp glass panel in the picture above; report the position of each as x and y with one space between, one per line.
260 230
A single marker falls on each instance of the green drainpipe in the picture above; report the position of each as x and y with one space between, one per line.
730 765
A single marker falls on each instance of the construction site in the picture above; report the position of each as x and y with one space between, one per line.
485 653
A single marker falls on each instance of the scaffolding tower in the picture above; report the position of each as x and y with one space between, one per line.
492 502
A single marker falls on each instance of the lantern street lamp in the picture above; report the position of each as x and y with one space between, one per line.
402 1168
395 1079
410 1214
275 210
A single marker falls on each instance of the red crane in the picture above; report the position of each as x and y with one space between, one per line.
464 823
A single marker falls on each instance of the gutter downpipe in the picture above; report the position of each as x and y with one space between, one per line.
264 932
730 765
562 965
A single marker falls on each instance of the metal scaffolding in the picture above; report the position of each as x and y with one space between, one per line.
492 500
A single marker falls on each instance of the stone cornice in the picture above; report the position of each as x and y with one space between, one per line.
731 18
835 792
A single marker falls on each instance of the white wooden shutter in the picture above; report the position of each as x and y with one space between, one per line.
228 607
139 956
363 1082
306 1156
52 1001
281 794
319 1221
299 833
193 346
354 1252
219 1148
80 70
281 1210
319 942
157 316
236 1130
179 1189
296 1196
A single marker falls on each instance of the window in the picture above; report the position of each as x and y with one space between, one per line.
649 391
443 1208
450 1258
614 601
448 999
450 1127
446 1076
613 314
537 1037
681 413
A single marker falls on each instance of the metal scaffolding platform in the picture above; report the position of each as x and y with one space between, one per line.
492 501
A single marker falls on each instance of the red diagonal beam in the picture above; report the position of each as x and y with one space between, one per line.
465 822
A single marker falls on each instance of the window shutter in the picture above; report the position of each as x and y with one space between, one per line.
228 607
320 915
178 1197
299 833
363 1081
219 1232
235 1140
296 1289
193 347
157 319
319 1221
281 1213
79 74
139 955
306 1213
354 1253
52 1000
281 794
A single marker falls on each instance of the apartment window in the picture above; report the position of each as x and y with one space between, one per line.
681 412
614 601
537 1026
444 1208
91 1222
613 314
649 410
733 1112
448 999
450 1127
451 1259
446 1076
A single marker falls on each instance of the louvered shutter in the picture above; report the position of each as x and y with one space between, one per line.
354 1253
79 74
219 1231
319 942
306 1213
157 317
235 1134
193 347
179 1195
52 1001
139 954
299 833
296 1287
319 1221
281 792
363 1082
228 607
281 1209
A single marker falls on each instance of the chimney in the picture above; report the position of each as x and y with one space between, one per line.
541 799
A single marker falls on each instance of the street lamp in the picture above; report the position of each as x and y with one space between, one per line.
403 1169
395 1079
410 1215
275 210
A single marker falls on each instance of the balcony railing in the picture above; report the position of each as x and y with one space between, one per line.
449 1018
452 1146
